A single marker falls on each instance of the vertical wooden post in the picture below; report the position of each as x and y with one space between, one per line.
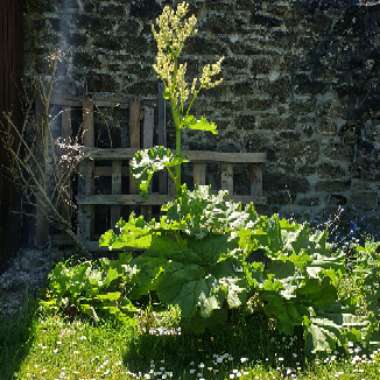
86 186
42 226
199 173
148 134
256 179
66 131
134 135
227 177
116 189
148 127
161 134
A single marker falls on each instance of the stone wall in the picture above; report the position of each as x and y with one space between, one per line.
302 83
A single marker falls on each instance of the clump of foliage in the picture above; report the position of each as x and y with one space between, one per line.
210 255
97 289
171 31
361 287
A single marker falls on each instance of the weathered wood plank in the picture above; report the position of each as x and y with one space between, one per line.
227 177
134 123
116 189
199 173
171 188
148 136
86 213
99 100
134 135
66 129
88 122
66 133
41 236
256 179
148 127
192 155
106 171
154 199
124 199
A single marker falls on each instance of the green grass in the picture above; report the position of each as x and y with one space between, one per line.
34 346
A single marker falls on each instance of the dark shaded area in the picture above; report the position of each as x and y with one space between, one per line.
11 55
251 338
16 337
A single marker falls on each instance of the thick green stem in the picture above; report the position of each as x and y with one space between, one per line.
178 143
178 150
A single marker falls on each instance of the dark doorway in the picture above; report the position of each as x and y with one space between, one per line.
11 59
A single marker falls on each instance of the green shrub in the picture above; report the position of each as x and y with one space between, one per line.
361 287
210 255
95 289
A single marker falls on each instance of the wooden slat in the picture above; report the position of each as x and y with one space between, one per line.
134 135
256 179
198 168
162 136
66 133
66 129
154 199
148 127
192 155
116 189
99 99
227 177
124 199
199 173
134 123
41 236
148 135
86 213
106 171
88 122
171 188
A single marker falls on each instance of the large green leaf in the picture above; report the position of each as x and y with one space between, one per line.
150 268
134 234
318 293
186 286
202 212
322 335
287 314
147 162
201 124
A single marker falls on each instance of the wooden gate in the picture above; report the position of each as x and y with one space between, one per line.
146 128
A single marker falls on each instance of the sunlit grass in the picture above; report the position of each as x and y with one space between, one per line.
51 347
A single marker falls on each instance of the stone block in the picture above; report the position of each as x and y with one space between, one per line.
278 182
328 170
333 186
365 200
309 201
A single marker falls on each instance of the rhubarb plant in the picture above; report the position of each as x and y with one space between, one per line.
171 31
212 257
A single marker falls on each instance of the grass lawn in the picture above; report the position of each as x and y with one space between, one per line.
33 346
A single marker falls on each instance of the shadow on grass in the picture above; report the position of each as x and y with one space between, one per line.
16 337
213 356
